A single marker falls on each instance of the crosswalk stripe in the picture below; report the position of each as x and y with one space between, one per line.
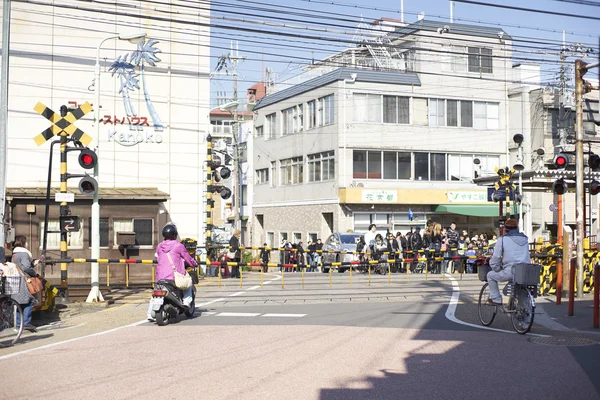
284 315
233 314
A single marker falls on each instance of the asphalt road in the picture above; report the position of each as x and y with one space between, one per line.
402 339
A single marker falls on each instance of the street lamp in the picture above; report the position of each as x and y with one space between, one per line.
134 38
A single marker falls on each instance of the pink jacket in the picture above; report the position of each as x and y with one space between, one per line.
178 254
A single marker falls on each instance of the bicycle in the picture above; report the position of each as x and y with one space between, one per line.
522 291
10 313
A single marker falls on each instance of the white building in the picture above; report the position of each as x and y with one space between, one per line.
357 145
154 114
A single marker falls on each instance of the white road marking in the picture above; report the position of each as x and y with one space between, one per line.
208 313
284 315
236 294
451 310
209 302
47 346
241 314
253 288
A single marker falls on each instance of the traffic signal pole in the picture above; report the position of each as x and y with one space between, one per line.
209 201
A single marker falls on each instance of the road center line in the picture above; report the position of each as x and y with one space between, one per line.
284 315
233 314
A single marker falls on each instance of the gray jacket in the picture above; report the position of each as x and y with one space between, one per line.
511 249
22 257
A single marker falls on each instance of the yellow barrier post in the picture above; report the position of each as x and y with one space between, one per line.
219 267
426 270
302 278
153 274
369 274
107 274
330 269
350 274
127 276
389 273
283 277
261 275
241 274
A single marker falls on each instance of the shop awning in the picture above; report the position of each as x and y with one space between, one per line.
475 210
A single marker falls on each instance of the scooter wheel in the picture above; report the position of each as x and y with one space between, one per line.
162 317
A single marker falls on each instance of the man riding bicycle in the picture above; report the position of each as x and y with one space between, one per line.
511 249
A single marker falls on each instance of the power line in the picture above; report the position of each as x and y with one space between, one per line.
547 12
581 2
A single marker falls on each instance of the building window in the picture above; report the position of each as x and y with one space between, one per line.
389 165
480 60
259 131
283 237
366 107
143 228
262 176
312 114
299 118
437 112
373 164
271 122
359 164
466 114
103 232
437 166
74 239
422 166
452 113
327 110
273 172
312 237
456 61
396 110
321 166
291 171
404 165
297 237
271 239
288 121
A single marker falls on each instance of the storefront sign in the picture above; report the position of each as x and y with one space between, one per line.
380 196
467 197
133 138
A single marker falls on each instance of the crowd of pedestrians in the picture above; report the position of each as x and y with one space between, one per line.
434 242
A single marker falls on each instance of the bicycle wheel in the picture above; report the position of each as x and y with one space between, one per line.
523 311
487 312
10 330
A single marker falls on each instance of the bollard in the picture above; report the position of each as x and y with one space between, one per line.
427 271
283 277
389 273
241 274
572 287
219 268
559 281
153 274
127 276
350 274
302 278
596 296
369 274
108 274
261 277
330 269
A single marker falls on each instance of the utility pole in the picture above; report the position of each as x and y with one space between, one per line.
231 60
4 118
581 87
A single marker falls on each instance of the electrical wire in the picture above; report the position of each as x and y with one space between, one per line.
547 12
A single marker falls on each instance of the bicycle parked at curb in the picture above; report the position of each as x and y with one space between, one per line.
10 313
522 291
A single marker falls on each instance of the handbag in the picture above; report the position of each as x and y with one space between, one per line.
231 255
34 284
181 281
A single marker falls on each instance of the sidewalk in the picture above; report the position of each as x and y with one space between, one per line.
559 314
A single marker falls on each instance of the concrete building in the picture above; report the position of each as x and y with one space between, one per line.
360 139
153 119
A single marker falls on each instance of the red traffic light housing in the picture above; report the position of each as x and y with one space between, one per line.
560 186
594 187
561 161
87 158
88 186
594 162
225 192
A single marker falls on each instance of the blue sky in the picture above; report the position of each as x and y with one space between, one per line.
286 55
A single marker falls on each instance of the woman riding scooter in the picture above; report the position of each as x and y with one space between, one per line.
172 254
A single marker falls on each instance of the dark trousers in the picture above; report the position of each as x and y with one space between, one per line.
235 271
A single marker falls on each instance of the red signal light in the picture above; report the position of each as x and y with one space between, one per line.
87 159
561 161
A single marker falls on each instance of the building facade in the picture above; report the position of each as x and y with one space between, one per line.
391 146
154 103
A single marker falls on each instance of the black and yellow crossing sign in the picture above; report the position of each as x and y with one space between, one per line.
64 124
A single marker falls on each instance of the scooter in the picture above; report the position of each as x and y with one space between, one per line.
167 302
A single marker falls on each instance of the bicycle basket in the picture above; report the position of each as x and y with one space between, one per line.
527 274
12 285
482 272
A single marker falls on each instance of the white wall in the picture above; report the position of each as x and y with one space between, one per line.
53 51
